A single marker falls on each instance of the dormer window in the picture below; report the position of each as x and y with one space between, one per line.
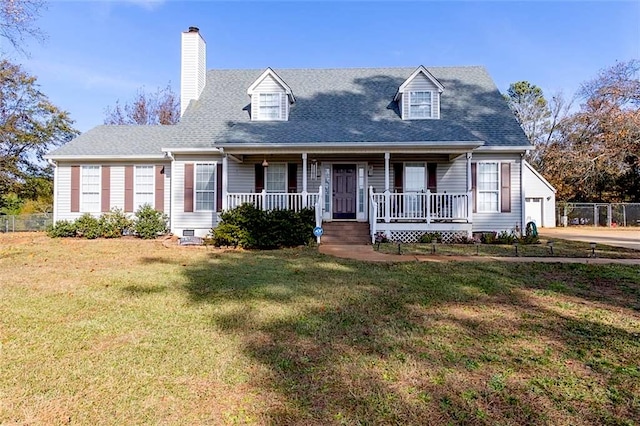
271 97
419 96
420 105
269 106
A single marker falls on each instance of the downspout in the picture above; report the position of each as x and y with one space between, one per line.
55 190
522 195
168 154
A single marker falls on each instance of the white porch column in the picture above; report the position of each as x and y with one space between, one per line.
225 181
305 173
469 172
470 195
387 191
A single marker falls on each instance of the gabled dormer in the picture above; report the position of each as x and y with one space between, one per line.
419 96
270 97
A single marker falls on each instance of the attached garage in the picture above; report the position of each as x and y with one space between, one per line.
539 198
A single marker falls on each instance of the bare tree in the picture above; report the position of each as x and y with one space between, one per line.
17 21
161 107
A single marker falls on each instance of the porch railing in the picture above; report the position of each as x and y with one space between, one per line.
419 206
273 200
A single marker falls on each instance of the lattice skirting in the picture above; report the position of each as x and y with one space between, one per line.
448 237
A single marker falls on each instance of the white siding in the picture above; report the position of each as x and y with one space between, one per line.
502 221
452 177
200 222
241 176
421 84
534 187
116 191
269 85
193 68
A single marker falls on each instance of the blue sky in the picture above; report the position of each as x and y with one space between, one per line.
99 52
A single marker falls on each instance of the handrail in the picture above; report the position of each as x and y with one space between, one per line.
318 207
373 214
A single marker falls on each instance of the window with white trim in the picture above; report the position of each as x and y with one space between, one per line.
143 192
414 177
488 187
90 189
420 104
205 187
269 106
276 178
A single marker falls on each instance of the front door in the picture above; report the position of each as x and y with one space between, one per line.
344 191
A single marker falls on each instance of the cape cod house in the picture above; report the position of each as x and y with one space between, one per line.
404 150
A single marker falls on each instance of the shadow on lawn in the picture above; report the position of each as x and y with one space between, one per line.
355 343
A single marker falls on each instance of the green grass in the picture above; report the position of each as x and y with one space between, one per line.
133 332
561 248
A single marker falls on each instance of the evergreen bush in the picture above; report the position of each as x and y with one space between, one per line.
149 223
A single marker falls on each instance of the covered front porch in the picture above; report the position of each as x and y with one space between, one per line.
399 194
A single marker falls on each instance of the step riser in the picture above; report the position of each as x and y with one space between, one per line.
345 233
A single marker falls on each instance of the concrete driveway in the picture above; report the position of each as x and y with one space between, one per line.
618 237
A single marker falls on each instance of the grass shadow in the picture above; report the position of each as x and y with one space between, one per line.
352 343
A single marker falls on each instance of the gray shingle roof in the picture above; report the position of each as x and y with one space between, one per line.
332 105
126 140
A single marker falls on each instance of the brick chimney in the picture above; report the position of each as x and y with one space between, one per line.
193 69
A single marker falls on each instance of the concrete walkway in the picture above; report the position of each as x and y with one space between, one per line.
366 253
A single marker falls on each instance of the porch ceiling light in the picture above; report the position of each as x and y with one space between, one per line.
265 163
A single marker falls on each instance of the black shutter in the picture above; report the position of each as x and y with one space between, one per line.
432 177
292 178
259 182
474 185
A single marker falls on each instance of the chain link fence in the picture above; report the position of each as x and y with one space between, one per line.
599 214
25 222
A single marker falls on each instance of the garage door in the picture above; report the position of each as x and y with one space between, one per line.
533 211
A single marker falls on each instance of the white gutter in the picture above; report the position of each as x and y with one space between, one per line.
180 150
505 148
321 145
114 158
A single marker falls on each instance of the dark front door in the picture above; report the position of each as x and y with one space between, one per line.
344 191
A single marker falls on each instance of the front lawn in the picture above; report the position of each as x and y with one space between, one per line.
133 332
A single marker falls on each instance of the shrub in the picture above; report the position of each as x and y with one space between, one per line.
430 237
149 223
505 237
488 238
88 226
463 239
114 223
226 234
249 227
62 229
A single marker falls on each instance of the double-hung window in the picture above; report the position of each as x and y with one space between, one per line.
143 187
419 104
269 106
90 188
205 187
488 187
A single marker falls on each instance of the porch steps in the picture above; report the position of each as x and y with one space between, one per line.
345 233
